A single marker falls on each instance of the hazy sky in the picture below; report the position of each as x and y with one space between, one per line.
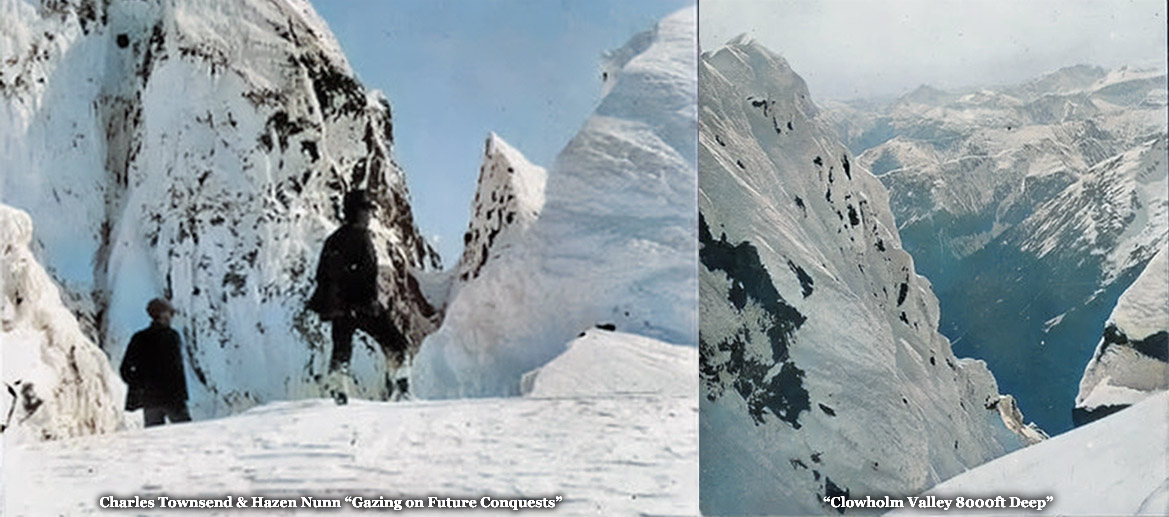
852 48
455 70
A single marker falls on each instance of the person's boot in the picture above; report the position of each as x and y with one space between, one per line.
337 384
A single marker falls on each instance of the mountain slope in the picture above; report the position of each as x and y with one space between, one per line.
1116 466
200 150
57 383
822 369
1030 207
613 244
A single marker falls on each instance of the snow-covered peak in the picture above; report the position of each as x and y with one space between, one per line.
823 372
57 383
507 201
614 243
771 74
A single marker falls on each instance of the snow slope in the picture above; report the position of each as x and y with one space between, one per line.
600 362
1116 466
200 150
621 452
1132 359
57 383
613 244
823 372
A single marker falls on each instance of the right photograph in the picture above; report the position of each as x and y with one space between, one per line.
932 258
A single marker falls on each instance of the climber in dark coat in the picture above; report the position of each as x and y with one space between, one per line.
153 369
346 292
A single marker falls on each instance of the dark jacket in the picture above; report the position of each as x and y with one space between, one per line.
346 274
153 368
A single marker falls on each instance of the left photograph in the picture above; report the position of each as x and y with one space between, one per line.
312 255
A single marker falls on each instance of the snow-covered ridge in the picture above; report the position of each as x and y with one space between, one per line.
57 383
823 372
601 363
612 247
1116 466
199 150
1131 362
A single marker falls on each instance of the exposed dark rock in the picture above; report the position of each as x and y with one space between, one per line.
1081 416
782 394
806 281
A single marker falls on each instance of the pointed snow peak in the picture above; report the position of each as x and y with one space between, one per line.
668 48
509 198
926 94
742 40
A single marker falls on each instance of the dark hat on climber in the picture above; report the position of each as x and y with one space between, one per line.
158 306
356 201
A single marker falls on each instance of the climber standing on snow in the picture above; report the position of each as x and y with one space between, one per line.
346 293
153 369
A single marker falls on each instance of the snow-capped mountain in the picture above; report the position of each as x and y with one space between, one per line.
1116 466
1030 207
823 372
1131 361
612 247
57 383
200 150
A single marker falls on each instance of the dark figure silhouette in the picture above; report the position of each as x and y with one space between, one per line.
346 292
153 369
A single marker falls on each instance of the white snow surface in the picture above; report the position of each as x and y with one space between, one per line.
625 451
57 383
199 149
880 403
614 363
1118 465
1117 374
614 243
1142 310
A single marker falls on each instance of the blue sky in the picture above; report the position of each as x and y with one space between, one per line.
453 71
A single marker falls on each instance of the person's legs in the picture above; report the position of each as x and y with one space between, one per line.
177 412
381 328
152 416
342 343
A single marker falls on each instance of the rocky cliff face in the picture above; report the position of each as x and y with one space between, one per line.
823 372
57 383
1131 362
199 150
508 200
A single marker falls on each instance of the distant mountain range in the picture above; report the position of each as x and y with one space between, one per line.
1029 207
